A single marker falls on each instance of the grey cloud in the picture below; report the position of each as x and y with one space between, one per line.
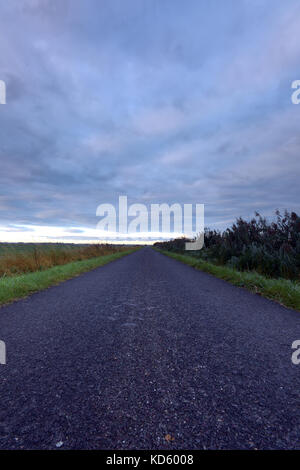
156 100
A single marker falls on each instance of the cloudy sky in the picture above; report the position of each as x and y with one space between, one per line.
161 100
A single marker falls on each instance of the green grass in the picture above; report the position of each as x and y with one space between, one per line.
12 288
281 290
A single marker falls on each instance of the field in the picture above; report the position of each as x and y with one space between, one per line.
21 258
28 267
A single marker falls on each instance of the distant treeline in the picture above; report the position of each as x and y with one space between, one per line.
270 248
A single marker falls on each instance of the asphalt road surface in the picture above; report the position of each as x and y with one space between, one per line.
148 353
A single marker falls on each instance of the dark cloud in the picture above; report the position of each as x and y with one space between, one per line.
161 101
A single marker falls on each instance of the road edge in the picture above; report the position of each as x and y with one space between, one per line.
282 291
19 287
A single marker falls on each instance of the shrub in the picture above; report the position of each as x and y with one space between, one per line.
270 248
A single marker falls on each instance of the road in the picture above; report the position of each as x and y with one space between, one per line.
148 353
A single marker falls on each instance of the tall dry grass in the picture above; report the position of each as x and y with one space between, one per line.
39 258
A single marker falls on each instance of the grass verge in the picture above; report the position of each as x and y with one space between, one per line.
24 258
16 287
283 291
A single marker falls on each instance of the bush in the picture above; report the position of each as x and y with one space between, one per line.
270 248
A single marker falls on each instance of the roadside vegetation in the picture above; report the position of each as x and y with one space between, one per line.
21 258
33 267
260 255
283 291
